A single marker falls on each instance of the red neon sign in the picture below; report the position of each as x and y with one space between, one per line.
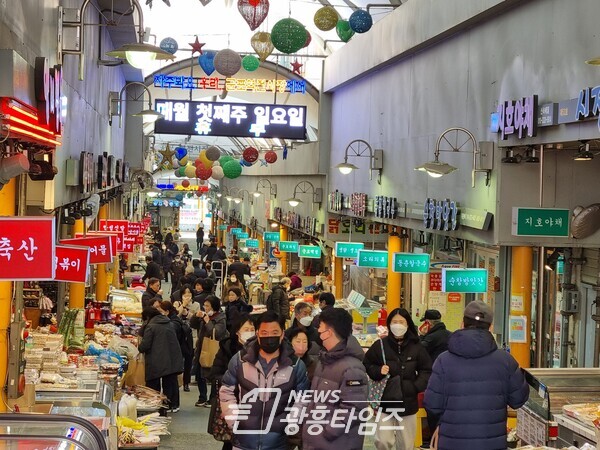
21 121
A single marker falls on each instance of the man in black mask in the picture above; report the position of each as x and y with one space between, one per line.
262 359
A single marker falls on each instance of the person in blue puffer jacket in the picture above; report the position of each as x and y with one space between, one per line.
471 386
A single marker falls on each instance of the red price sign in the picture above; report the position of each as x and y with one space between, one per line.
27 248
135 229
435 281
72 263
128 244
114 225
100 247
115 239
139 240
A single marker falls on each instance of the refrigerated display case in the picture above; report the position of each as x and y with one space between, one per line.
541 421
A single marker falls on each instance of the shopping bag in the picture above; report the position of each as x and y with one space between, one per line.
217 426
210 347
376 388
136 372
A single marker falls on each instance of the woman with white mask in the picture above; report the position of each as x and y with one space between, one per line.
400 357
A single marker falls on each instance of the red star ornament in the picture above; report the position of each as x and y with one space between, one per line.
296 67
197 46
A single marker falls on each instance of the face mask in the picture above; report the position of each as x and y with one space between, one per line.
210 313
306 321
269 344
300 349
398 329
164 247
233 279
316 311
245 336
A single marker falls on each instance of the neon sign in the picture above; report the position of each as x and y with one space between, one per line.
230 84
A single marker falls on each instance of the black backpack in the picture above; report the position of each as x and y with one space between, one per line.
187 344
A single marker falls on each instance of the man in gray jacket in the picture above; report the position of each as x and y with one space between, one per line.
340 385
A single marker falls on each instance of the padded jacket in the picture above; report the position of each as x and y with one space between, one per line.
161 348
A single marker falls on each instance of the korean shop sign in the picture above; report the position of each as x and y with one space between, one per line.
252 243
229 84
72 263
27 249
464 280
222 227
100 247
348 249
230 119
372 258
235 231
440 214
548 222
114 238
242 235
516 117
411 263
272 236
115 225
288 246
309 251
128 244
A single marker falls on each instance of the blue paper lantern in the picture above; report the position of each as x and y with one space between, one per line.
169 45
245 163
179 197
360 21
207 62
180 152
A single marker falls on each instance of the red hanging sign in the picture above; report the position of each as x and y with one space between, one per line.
72 263
27 248
114 225
139 240
100 247
114 238
135 229
128 244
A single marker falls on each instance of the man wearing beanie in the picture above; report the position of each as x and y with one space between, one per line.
471 386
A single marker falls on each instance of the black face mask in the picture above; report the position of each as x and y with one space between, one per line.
269 344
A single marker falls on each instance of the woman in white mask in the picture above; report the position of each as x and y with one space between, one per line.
405 363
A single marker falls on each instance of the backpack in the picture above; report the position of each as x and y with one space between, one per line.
188 338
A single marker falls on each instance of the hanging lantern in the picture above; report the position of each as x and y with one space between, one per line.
270 156
288 35
228 62
203 189
169 45
197 162
179 197
176 173
217 172
308 39
262 45
207 62
232 169
183 161
185 183
343 30
224 160
204 173
244 163
199 191
175 164
190 171
201 182
180 152
360 21
250 63
254 12
205 161
250 154
181 171
326 18
213 153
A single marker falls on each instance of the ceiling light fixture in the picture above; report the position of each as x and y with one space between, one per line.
584 153
510 157
530 156
362 149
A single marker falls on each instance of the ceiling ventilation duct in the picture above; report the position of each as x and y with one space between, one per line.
586 221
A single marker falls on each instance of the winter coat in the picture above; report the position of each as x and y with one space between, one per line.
200 273
436 340
245 373
157 256
338 370
177 269
470 387
227 348
182 331
147 297
210 253
234 310
228 285
220 255
410 368
152 271
218 324
161 348
296 282
239 269
279 302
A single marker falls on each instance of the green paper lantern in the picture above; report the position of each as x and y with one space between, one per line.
288 36
232 169
343 30
224 160
250 63
326 18
181 171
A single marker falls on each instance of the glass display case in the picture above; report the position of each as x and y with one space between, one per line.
126 302
538 422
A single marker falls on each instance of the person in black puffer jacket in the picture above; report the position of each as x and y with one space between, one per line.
278 301
409 367
436 338
471 386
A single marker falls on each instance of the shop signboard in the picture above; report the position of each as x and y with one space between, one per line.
348 249
309 251
411 263
288 246
72 263
465 281
243 235
27 248
235 231
100 247
272 236
544 222
372 258
135 229
114 237
222 227
128 243
114 225
252 243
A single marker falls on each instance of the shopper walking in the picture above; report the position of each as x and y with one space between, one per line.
163 358
177 271
184 337
471 386
199 271
152 269
234 282
278 300
340 369
211 252
235 307
264 362
199 236
303 321
402 358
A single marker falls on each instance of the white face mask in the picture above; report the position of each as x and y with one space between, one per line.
245 336
306 321
233 279
398 329
210 313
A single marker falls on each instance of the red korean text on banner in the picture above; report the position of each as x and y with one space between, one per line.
114 225
139 240
114 238
72 263
135 229
27 248
128 244
100 251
